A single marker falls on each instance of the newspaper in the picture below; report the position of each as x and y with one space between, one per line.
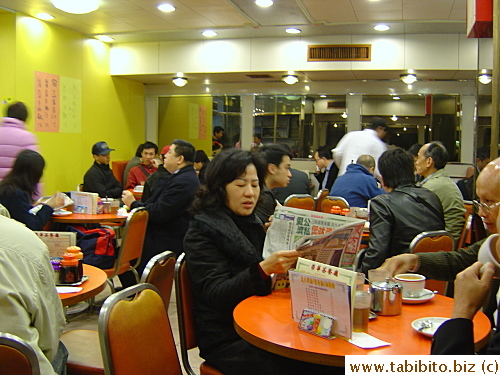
322 237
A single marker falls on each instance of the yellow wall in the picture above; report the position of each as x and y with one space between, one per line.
112 108
173 121
8 59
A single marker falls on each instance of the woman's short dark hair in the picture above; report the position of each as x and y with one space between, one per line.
200 156
18 110
396 167
224 168
25 173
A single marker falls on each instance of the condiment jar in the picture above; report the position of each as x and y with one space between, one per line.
69 269
345 211
387 297
77 252
56 266
362 301
336 210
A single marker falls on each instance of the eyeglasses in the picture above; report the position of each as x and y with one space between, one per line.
487 208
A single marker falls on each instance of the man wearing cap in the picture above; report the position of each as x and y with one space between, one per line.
99 178
364 142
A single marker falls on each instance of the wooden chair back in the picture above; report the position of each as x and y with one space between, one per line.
322 194
160 272
135 335
303 201
132 245
429 242
184 299
330 201
17 356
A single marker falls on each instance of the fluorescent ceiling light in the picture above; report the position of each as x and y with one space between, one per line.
396 98
105 38
408 78
264 3
180 81
166 7
292 30
290 79
44 16
76 6
209 33
381 27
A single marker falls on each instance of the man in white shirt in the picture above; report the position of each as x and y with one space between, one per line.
29 305
362 142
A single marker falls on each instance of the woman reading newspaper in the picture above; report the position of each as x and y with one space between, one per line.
223 252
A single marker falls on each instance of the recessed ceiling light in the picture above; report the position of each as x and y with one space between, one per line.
166 7
76 6
105 38
381 27
180 81
44 16
209 33
292 30
264 3
322 96
290 79
408 78
396 98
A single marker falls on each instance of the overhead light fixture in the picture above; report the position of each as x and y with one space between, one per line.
264 3
484 76
290 79
292 30
76 6
344 115
105 38
322 96
209 33
44 16
408 78
394 118
180 81
166 7
381 27
396 98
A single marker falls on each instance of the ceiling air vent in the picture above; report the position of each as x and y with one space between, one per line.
339 52
259 76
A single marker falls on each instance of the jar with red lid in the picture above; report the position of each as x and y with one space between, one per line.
77 252
69 273
336 210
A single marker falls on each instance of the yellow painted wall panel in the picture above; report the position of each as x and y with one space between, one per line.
8 60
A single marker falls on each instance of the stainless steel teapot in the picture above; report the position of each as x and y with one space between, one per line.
387 297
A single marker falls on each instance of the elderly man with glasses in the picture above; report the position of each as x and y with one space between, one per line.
446 265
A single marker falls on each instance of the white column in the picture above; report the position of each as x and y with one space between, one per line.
468 127
353 104
247 109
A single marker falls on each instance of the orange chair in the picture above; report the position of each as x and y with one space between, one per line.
330 201
472 232
322 194
132 244
160 272
135 335
429 242
303 201
17 356
184 299
118 167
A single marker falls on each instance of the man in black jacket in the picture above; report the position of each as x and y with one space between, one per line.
397 217
325 163
99 178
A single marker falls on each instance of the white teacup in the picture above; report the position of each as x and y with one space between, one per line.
413 284
487 253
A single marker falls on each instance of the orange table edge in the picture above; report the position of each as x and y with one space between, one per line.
266 322
88 218
92 287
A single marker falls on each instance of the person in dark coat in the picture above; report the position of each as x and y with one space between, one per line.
99 178
328 170
169 203
224 259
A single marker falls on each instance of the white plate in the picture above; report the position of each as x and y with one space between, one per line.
61 213
417 300
436 322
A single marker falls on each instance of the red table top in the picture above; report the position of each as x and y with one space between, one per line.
92 287
266 322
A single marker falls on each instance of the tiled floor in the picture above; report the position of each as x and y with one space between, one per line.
89 321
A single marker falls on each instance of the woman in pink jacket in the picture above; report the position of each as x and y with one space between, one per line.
14 137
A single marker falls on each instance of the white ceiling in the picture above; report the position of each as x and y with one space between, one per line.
140 21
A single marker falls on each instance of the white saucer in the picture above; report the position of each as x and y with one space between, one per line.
416 300
429 332
61 213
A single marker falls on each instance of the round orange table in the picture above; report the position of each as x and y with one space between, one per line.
92 287
89 218
267 323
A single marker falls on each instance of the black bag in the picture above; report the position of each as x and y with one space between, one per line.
98 245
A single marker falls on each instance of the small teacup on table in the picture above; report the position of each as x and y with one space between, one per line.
413 284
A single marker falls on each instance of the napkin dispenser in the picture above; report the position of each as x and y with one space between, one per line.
387 297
